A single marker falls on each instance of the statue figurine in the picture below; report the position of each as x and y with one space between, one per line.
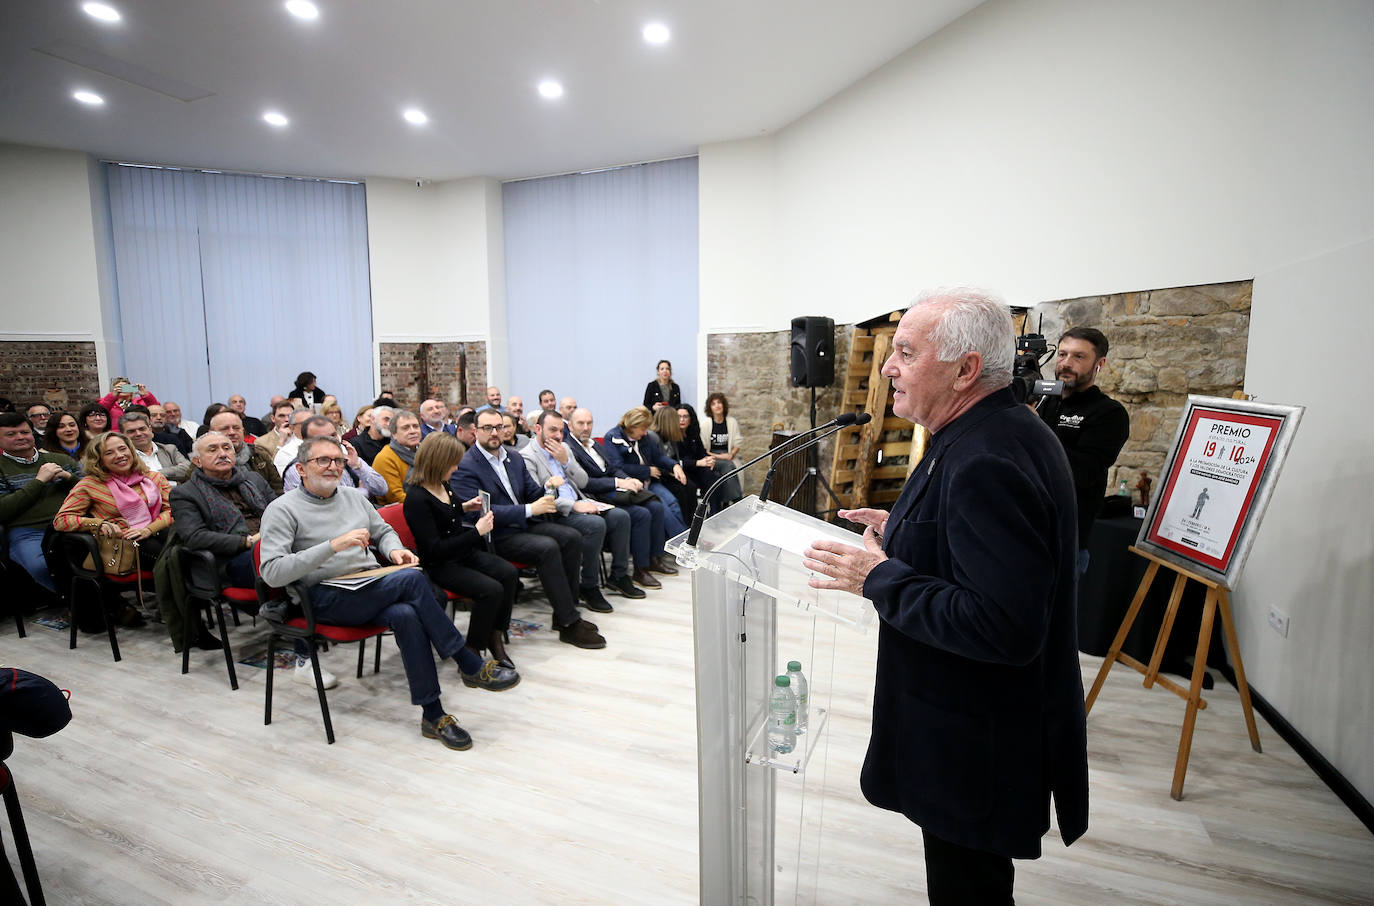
1143 486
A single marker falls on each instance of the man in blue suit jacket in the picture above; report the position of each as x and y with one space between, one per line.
517 501
978 705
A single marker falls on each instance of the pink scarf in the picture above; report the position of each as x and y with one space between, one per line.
138 509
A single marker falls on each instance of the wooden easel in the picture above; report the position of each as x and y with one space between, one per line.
1218 598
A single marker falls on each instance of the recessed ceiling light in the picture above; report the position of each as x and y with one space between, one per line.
274 118
550 89
656 33
302 9
415 117
102 11
88 97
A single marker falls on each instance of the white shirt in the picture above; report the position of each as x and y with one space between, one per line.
498 464
590 447
286 454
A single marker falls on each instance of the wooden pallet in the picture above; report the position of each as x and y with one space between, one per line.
873 461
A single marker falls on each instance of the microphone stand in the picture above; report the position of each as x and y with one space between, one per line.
812 474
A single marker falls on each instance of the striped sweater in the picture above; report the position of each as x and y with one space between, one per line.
91 503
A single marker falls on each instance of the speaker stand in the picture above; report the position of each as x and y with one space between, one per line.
813 474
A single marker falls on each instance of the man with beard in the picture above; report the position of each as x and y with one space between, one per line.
1092 426
315 534
250 456
371 441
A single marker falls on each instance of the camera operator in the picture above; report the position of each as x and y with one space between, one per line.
1092 426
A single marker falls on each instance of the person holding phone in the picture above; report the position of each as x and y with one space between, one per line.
123 394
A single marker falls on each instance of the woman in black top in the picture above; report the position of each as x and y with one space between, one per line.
696 462
670 437
306 391
455 554
663 390
723 447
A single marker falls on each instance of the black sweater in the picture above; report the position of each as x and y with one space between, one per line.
441 536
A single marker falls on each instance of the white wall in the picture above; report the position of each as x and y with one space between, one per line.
52 279
1070 147
434 254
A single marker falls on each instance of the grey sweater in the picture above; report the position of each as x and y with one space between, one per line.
297 529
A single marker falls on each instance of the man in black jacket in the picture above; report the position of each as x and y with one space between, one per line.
1092 426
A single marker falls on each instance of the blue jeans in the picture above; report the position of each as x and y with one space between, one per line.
673 523
404 602
26 549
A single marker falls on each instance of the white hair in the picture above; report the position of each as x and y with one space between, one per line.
207 436
974 320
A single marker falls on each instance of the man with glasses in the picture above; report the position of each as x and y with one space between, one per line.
520 534
356 473
39 413
314 535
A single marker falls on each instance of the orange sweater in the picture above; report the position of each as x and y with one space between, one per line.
90 503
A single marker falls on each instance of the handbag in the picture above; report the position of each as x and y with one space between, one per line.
118 556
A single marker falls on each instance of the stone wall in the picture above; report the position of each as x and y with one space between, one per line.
1164 345
753 371
454 372
61 374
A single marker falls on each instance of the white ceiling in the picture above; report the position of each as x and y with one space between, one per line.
734 69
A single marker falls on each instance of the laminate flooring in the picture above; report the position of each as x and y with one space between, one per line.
581 785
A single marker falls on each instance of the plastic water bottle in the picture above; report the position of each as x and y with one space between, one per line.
800 688
782 717
1123 491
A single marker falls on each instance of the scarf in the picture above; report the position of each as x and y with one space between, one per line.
223 515
407 454
137 509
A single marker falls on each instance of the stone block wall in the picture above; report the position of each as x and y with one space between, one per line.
60 373
455 372
753 371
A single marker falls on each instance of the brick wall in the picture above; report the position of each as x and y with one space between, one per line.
61 374
454 372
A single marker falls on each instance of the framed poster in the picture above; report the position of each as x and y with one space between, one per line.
1222 467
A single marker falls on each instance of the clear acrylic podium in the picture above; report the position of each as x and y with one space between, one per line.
753 611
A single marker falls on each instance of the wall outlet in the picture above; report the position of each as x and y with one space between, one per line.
1278 621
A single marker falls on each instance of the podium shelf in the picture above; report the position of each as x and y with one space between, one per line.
794 762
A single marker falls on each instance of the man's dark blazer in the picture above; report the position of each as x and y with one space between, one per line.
978 704
177 438
600 482
475 473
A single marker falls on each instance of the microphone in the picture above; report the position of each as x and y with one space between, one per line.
862 418
843 420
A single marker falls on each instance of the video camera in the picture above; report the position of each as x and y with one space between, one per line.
1027 382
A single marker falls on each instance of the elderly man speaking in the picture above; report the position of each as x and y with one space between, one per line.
978 703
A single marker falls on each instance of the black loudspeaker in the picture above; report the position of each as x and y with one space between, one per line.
813 352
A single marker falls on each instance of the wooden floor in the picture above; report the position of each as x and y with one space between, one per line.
581 786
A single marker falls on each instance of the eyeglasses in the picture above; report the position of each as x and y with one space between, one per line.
489 427
324 462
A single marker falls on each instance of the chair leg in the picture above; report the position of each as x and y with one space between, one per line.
71 614
319 688
271 669
19 622
186 642
224 641
376 658
21 844
362 653
110 628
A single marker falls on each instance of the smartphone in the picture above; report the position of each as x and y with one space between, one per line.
486 501
127 388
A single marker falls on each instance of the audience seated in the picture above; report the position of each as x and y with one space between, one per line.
356 473
669 434
454 553
315 534
166 433
723 445
118 399
210 412
307 391
434 417
551 462
493 400
251 456
33 485
378 434
65 436
278 428
286 450
465 428
610 484
394 461
631 448
510 432
696 462
251 425
175 419
663 391
517 500
566 406
547 401
516 407
156 457
94 419
361 422
38 414
335 414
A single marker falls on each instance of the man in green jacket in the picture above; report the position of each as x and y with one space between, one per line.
33 484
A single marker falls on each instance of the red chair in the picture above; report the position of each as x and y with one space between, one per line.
80 549
308 628
394 515
199 567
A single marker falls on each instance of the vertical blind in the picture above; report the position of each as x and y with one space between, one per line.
601 283
234 284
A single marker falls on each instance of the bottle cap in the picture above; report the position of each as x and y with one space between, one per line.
794 665
782 681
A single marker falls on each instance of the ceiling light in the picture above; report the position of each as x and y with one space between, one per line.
656 33
88 97
102 11
415 117
550 89
274 118
303 9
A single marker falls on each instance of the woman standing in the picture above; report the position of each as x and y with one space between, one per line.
454 553
724 447
310 394
119 497
663 390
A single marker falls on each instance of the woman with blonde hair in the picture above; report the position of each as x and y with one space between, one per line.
670 437
633 448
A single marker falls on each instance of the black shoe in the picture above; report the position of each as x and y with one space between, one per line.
206 641
492 676
582 635
595 600
661 565
446 731
626 586
643 577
